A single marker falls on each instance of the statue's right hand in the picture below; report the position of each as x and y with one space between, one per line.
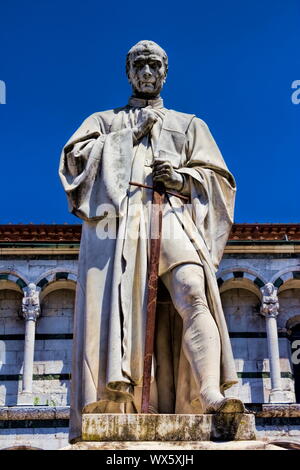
146 120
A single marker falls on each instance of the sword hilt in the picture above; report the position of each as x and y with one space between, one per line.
159 189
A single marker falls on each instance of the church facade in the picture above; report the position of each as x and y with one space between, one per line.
266 347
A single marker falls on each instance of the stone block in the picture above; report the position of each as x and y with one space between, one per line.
38 369
278 410
14 326
30 412
272 431
57 344
257 348
57 367
166 427
239 348
52 356
55 399
53 325
25 399
62 412
281 396
38 386
38 267
256 389
14 345
174 446
295 410
39 345
3 413
11 399
285 365
20 357
10 369
7 357
55 386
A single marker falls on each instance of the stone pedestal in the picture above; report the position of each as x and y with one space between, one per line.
168 427
174 446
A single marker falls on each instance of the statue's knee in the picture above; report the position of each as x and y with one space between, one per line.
193 304
194 295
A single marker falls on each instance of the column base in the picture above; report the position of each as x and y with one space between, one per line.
281 396
168 427
25 398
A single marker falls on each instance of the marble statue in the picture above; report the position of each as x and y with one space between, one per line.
147 143
31 302
270 304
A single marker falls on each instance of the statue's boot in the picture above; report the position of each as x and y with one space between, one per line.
212 401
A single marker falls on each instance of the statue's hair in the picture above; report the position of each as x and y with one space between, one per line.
148 46
31 285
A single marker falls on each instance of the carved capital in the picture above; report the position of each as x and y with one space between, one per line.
31 309
270 305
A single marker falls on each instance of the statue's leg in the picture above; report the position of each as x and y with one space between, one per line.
201 339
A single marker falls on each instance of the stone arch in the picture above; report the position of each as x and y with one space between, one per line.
56 279
288 278
68 284
292 322
288 285
241 278
10 279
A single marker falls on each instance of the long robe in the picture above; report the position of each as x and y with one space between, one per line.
96 166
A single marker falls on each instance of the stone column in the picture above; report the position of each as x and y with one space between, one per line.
30 312
270 310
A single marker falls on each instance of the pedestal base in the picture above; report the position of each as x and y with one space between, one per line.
168 427
25 399
176 446
281 396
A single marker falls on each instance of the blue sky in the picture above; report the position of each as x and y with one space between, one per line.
231 63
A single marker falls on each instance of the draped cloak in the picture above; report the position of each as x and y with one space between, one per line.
96 166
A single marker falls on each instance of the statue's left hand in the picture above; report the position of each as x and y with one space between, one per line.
164 172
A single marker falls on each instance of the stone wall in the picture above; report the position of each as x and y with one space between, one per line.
240 277
248 338
52 356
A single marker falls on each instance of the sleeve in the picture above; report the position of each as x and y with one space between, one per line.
212 188
94 168
79 164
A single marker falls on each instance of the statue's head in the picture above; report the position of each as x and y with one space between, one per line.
146 68
269 288
31 289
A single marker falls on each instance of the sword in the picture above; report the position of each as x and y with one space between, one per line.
158 196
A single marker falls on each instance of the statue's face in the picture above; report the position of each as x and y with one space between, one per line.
269 288
147 73
31 290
